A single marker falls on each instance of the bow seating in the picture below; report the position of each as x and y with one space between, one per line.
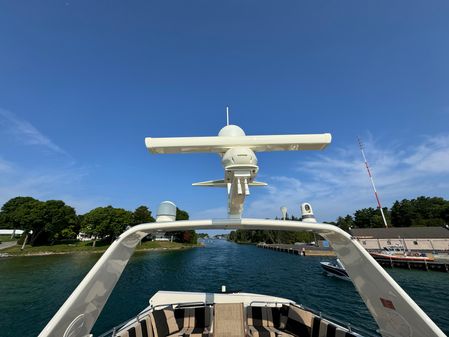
193 322
290 321
261 321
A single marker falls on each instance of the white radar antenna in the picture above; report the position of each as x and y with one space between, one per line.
372 183
238 158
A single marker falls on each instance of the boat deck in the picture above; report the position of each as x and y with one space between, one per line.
250 317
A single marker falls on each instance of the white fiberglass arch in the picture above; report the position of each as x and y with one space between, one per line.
394 311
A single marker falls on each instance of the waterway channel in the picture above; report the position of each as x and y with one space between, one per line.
33 288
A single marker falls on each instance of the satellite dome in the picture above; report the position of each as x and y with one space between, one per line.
231 131
166 212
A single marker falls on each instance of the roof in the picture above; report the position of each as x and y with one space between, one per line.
402 232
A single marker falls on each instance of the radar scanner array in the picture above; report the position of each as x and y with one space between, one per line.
238 156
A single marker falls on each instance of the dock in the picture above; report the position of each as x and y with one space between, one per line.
308 250
420 265
302 249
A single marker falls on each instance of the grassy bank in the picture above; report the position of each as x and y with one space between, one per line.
6 238
86 247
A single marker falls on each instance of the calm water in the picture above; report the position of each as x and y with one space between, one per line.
33 288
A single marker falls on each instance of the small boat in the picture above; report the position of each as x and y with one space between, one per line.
335 268
398 253
401 257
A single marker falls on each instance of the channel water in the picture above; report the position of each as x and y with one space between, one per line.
33 288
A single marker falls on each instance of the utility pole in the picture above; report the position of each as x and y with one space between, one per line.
372 182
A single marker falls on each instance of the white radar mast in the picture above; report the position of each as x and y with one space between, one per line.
238 158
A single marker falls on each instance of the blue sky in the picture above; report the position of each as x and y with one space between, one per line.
83 82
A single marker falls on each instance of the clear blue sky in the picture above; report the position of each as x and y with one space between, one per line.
83 82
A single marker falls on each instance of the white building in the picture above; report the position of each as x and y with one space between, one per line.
11 231
411 238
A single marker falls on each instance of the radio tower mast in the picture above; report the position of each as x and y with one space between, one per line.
372 183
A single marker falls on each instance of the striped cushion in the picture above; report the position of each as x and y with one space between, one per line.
264 321
164 322
194 317
343 333
191 332
201 317
259 316
138 329
298 322
324 328
284 334
183 316
262 331
279 315
316 326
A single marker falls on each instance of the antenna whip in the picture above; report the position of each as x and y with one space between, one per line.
372 183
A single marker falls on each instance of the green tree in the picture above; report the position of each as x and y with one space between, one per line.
60 220
106 222
269 236
142 215
181 215
345 222
402 213
445 214
370 217
25 213
184 236
3 222
422 211
17 212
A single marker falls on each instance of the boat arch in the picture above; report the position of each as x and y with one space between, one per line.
394 311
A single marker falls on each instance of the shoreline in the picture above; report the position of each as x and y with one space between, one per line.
96 251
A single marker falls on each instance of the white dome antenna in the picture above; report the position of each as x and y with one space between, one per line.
227 115
307 213
166 212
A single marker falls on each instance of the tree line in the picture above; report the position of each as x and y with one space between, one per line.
286 237
421 211
52 221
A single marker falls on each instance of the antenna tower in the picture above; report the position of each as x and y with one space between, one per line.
372 183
